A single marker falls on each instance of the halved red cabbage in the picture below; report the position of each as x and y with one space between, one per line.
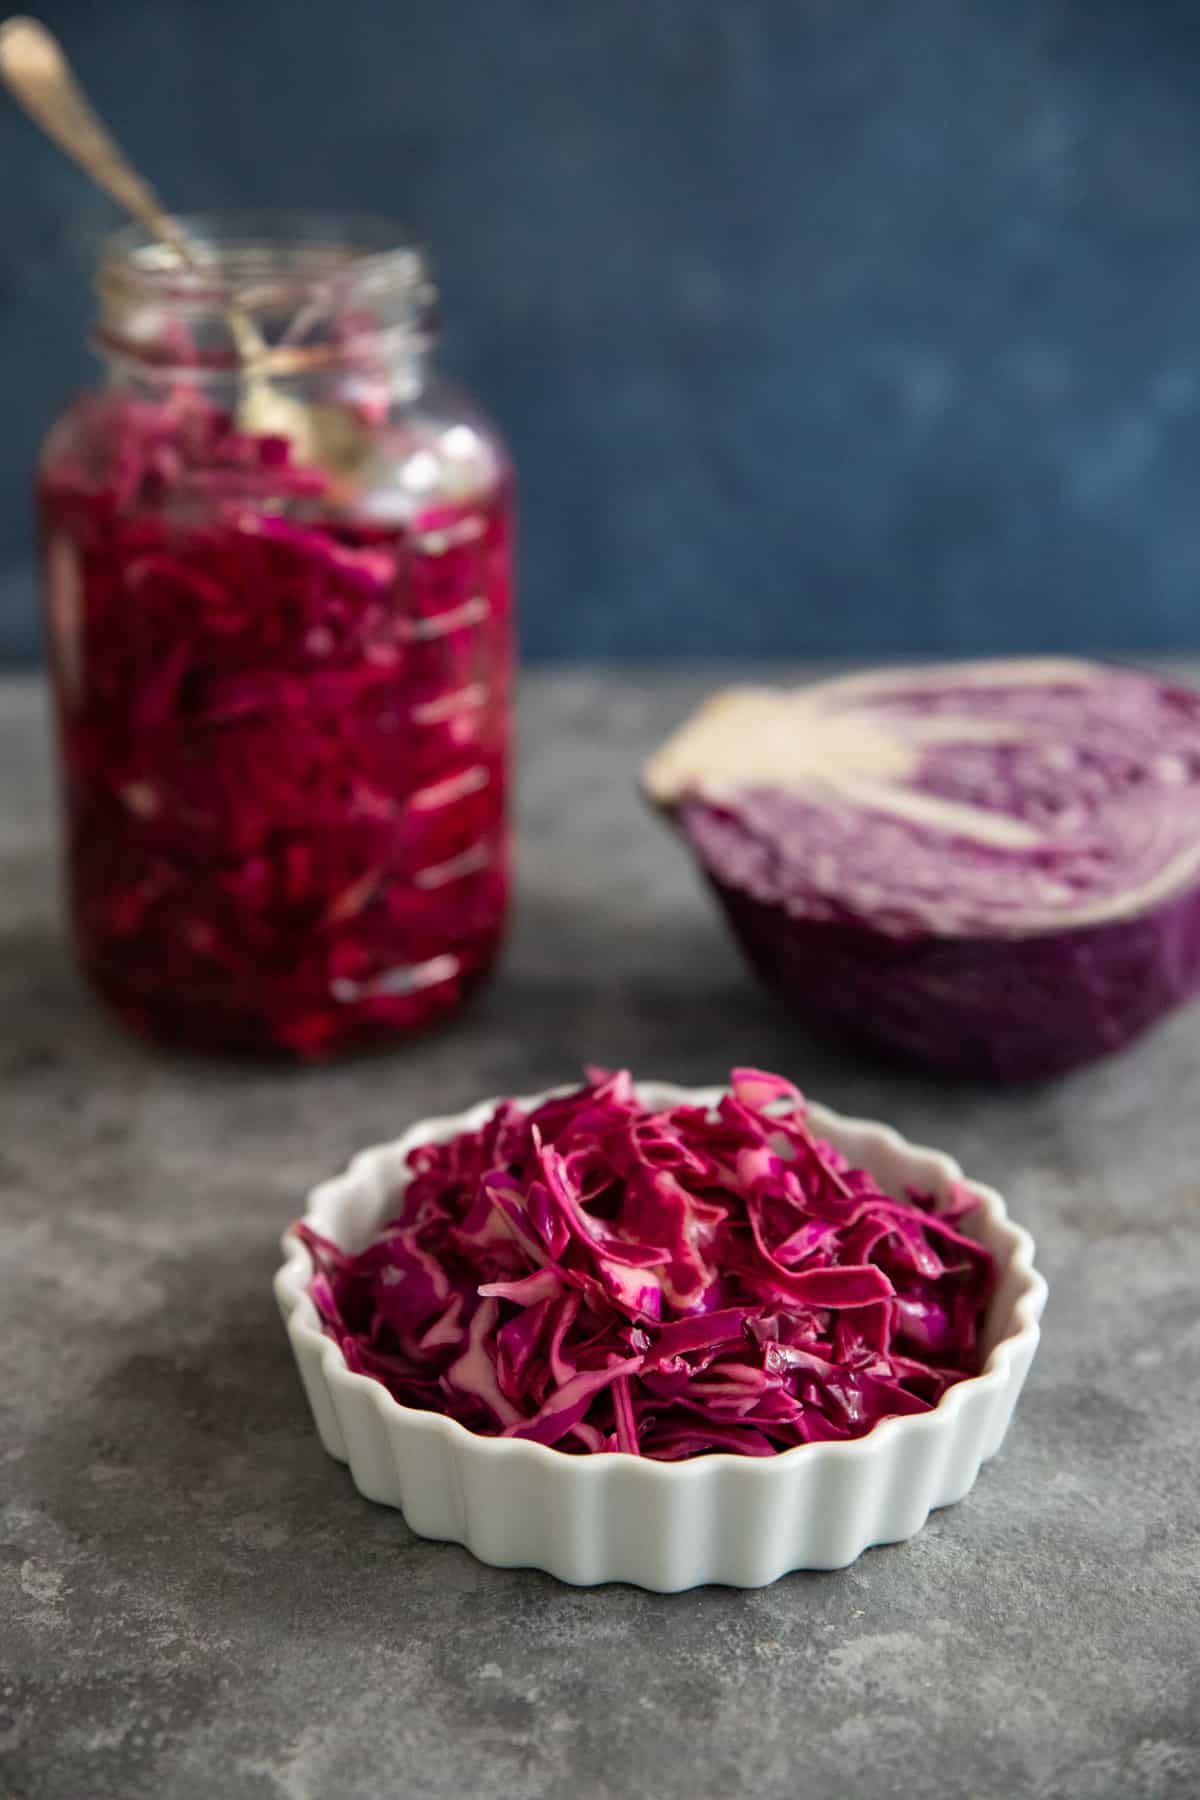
992 868
283 730
599 1276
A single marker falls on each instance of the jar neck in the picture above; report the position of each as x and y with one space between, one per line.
380 376
295 299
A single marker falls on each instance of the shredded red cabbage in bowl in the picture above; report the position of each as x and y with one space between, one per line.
284 731
600 1276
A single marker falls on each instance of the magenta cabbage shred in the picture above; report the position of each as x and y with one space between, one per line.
597 1275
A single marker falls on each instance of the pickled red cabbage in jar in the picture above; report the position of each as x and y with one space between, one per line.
279 615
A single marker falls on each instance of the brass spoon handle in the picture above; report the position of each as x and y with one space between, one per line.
38 76
34 68
36 72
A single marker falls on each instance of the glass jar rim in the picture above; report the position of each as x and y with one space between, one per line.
294 248
275 264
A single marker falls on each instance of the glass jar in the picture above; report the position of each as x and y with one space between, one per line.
276 558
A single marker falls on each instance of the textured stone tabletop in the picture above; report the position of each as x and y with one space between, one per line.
193 1599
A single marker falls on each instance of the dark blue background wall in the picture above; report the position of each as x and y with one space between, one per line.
817 325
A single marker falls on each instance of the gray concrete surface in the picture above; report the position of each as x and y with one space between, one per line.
193 1599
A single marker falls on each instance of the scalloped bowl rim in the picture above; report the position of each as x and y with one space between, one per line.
1020 1331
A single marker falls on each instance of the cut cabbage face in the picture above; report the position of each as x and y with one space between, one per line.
992 867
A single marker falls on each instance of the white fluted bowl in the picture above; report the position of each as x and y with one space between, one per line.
738 1520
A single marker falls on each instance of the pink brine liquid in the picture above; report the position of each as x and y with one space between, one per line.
284 734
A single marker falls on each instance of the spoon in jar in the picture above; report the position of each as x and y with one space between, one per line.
36 72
